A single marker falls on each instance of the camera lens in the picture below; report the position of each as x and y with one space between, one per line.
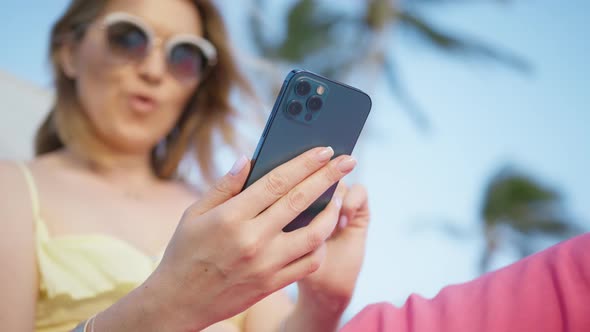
303 88
315 103
294 108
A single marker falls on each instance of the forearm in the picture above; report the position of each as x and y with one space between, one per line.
135 312
145 309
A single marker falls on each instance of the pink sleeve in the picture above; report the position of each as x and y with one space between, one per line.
548 291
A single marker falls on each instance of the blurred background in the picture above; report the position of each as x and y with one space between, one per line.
477 150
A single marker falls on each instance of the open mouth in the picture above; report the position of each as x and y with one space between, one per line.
142 103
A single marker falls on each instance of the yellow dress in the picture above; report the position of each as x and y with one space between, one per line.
80 275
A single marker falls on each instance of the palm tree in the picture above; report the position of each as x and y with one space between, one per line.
516 210
516 203
335 43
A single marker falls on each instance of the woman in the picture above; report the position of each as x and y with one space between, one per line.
138 86
84 224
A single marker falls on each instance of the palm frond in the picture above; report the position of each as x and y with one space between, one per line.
458 45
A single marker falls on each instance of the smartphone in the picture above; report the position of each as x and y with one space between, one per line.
310 111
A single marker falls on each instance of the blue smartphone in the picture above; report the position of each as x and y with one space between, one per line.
310 111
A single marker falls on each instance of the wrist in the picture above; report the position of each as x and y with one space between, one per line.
315 313
147 308
316 300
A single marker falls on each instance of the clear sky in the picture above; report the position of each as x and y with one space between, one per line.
483 116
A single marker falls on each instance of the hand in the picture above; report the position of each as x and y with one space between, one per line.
332 285
229 251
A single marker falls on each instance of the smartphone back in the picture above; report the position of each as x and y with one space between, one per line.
310 111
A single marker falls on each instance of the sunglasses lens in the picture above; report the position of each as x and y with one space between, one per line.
187 60
127 40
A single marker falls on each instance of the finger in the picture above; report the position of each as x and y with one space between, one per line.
225 188
341 191
356 201
268 189
300 268
304 240
304 194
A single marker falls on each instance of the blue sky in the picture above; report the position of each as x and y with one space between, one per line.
483 116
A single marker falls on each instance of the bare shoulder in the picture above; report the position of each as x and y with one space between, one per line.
19 287
16 216
14 179
8 169
15 198
14 191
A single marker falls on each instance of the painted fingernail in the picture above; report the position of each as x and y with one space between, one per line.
343 221
238 165
325 154
347 164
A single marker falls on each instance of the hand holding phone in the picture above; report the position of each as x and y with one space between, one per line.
310 111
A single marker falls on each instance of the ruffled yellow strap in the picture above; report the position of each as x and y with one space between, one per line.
40 228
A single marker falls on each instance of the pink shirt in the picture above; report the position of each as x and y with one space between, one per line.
548 291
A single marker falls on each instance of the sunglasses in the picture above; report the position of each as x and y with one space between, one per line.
188 57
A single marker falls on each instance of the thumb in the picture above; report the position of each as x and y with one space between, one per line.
225 188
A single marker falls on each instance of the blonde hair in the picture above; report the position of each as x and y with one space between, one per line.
208 111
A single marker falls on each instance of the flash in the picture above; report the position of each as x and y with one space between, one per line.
320 90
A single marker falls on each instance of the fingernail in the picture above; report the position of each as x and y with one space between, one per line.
325 154
343 221
347 164
338 202
238 165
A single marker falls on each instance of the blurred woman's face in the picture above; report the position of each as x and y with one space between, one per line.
133 102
